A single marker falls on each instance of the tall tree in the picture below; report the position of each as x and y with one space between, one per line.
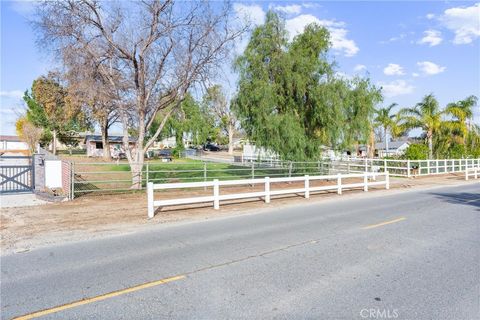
360 111
89 88
384 119
187 120
50 107
462 111
428 116
160 50
216 103
288 99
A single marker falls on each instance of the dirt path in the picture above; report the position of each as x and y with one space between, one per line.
95 216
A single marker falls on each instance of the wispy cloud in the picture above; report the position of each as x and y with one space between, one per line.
396 88
430 68
359 67
431 37
288 9
393 69
464 22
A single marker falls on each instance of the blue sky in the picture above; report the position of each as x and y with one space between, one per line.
409 48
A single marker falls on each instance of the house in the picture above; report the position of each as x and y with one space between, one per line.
13 144
94 145
395 148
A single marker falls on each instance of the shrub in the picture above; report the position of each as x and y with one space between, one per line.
416 152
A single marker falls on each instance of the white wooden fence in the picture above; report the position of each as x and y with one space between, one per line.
216 197
472 172
400 167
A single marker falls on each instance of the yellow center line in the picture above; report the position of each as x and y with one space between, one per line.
98 298
383 223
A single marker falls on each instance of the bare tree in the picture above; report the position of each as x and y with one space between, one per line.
217 103
89 87
159 49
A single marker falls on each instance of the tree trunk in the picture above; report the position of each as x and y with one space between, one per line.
136 169
430 145
230 139
371 143
54 142
106 145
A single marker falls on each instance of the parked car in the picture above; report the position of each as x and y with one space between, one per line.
165 154
210 147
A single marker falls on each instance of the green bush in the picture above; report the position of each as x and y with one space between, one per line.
416 152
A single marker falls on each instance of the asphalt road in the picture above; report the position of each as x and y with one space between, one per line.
414 255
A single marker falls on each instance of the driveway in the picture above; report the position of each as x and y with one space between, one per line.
19 200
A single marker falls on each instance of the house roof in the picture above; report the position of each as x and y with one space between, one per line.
391 144
98 138
10 138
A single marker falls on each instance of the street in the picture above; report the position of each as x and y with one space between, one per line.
411 255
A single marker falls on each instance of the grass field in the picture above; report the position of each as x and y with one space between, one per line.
111 177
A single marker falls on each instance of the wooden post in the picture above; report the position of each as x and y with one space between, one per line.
408 168
387 180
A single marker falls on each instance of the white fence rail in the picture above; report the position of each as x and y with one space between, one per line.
401 168
216 197
472 172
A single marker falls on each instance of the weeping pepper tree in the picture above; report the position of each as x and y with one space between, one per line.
290 100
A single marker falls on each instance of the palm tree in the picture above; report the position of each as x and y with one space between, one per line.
384 120
398 127
463 113
426 115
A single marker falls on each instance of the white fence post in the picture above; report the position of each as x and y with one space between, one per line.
205 174
151 211
307 186
387 180
147 171
267 189
475 171
339 183
408 168
385 165
436 166
216 194
365 182
466 174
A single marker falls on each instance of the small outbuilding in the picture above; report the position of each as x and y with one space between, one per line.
94 145
395 148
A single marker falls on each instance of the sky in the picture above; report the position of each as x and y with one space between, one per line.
408 48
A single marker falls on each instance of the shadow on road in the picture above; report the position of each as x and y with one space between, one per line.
465 198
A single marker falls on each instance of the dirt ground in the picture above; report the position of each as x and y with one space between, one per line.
24 228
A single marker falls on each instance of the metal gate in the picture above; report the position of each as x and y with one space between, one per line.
16 174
